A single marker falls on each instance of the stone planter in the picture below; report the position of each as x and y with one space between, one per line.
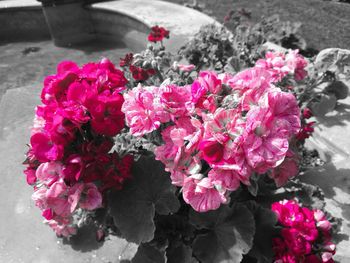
69 23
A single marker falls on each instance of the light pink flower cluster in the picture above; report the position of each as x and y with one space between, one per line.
305 235
218 131
69 160
280 64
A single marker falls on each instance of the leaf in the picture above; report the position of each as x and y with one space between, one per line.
333 59
265 229
147 253
179 253
133 208
229 234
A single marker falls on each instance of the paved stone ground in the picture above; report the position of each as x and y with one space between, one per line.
23 236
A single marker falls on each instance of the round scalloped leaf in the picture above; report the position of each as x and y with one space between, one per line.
229 233
265 229
133 208
339 89
147 253
179 253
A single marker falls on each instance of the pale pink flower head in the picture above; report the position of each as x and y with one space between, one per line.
91 198
227 179
49 172
274 63
286 170
39 198
177 177
202 195
174 99
61 229
251 84
296 64
265 141
63 200
284 107
186 68
143 110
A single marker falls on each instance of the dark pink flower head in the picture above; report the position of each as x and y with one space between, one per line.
44 149
73 168
295 242
106 115
157 34
289 213
30 175
212 151
127 60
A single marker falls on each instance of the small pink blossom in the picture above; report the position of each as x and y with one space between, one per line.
49 172
143 110
202 195
186 68
91 197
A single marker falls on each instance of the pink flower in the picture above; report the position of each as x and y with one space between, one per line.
174 99
62 199
62 229
202 195
286 170
106 115
91 197
73 168
265 140
30 175
44 149
227 179
143 112
284 108
297 64
157 34
251 84
49 172
39 198
212 151
295 241
288 212
186 68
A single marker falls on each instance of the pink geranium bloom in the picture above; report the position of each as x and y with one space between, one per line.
39 198
251 84
106 115
296 64
62 199
177 178
62 229
174 99
265 140
44 148
49 172
30 175
288 212
227 179
73 168
186 68
202 195
211 151
284 108
286 170
143 111
296 242
91 197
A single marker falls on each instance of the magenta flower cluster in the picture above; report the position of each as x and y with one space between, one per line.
69 161
221 129
305 236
